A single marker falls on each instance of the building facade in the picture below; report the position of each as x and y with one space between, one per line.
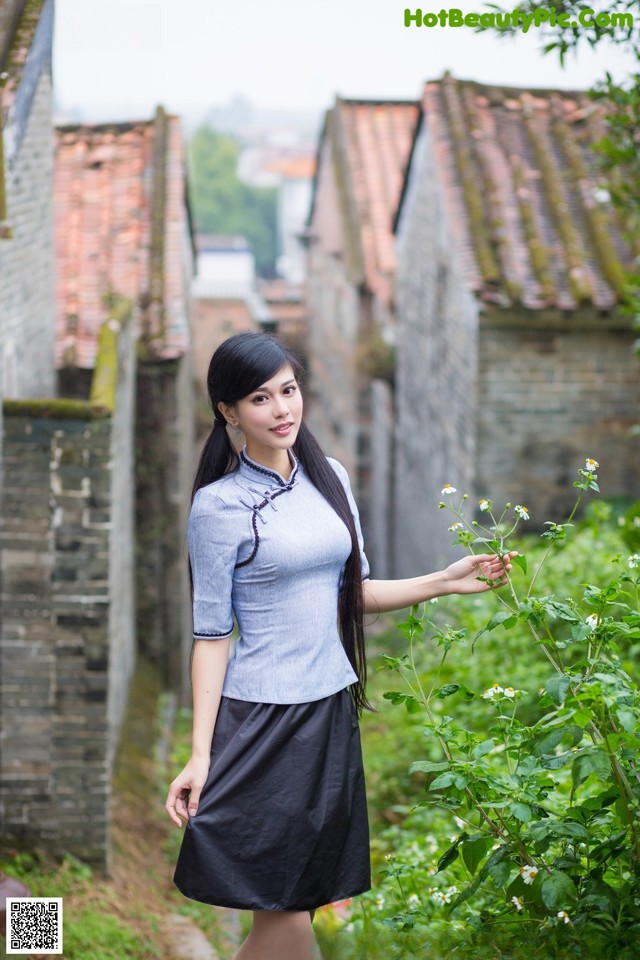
514 360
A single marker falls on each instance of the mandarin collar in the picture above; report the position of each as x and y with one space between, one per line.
252 470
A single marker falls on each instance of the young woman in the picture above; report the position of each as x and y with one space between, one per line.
273 793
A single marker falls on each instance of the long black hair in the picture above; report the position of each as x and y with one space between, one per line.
240 365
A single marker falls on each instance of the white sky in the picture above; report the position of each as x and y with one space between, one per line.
192 54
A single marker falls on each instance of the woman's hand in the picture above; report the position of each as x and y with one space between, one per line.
462 576
184 793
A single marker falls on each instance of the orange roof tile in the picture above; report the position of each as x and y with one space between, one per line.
107 185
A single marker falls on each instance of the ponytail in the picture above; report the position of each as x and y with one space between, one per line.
217 458
351 596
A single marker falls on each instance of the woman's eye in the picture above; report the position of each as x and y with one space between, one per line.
289 390
258 399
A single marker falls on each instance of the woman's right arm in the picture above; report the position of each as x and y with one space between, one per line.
208 669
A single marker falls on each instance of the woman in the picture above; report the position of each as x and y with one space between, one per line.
273 793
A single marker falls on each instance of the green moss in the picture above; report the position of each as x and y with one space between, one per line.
597 220
551 180
537 250
53 408
486 259
105 376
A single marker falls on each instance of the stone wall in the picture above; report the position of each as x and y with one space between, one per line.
68 644
547 399
436 375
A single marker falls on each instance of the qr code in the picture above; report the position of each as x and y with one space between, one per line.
34 925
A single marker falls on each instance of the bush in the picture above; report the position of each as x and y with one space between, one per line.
516 828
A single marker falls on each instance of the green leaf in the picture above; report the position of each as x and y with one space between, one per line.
595 762
501 617
444 780
474 851
549 741
448 856
521 811
482 749
557 687
521 562
557 890
447 690
428 766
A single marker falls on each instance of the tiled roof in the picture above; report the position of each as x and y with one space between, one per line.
371 142
533 221
121 231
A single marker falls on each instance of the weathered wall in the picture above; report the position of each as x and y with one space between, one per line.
381 480
164 474
27 286
436 376
68 642
547 399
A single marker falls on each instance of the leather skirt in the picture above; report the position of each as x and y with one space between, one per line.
282 821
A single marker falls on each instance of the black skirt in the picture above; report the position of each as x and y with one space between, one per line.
282 820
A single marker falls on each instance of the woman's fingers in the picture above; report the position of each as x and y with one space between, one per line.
175 805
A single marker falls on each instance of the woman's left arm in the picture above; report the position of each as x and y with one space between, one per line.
382 596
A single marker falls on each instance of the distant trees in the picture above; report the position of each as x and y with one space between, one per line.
222 203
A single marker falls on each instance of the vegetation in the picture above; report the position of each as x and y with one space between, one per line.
223 204
503 772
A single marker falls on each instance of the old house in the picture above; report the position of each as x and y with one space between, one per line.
363 151
96 486
514 362
123 230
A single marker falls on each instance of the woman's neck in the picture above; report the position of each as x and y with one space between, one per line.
277 460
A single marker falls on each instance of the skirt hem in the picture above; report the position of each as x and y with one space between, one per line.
236 905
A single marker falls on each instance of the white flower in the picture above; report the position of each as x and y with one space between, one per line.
434 600
592 621
455 526
485 504
528 874
379 902
564 916
518 903
509 692
601 195
522 512
591 465
413 901
459 823
634 560
440 897
492 692
447 490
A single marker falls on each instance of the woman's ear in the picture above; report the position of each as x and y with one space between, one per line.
228 412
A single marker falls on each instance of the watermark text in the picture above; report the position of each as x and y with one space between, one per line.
517 19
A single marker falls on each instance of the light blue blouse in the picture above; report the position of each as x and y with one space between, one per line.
271 552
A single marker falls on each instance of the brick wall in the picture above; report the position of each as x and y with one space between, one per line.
27 286
68 642
547 399
437 344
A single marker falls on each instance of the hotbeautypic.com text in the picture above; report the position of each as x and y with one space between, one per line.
517 19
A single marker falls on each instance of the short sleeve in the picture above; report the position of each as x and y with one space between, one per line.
213 549
343 476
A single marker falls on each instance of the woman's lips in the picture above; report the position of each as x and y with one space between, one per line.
283 429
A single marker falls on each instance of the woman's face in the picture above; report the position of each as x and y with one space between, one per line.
270 416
